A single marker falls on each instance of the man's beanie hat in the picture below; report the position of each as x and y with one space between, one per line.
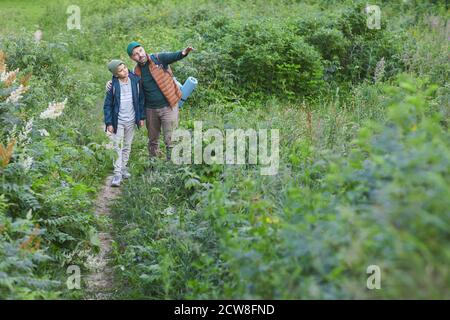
131 46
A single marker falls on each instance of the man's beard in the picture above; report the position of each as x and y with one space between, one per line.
145 61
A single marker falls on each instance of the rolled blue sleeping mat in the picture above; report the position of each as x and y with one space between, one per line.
186 89
177 82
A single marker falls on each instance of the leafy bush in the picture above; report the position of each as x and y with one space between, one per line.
258 56
294 57
347 195
384 204
20 253
47 221
331 217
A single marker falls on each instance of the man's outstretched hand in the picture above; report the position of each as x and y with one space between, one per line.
186 51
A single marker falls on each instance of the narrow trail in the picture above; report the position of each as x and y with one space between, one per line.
100 282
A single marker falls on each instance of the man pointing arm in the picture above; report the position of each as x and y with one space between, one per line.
160 91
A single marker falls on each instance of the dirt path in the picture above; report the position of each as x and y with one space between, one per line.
100 281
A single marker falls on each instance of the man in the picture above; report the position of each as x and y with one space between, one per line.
123 109
161 93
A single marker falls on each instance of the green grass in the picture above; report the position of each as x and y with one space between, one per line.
15 15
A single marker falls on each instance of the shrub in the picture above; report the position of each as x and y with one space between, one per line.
382 204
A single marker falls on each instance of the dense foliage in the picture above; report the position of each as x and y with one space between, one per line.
364 167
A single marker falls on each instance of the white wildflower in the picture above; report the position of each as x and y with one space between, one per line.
43 133
23 137
9 76
13 133
38 35
169 211
54 110
27 163
16 95
379 71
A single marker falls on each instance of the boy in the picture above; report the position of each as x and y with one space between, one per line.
123 108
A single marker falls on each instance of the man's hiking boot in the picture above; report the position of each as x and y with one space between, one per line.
116 181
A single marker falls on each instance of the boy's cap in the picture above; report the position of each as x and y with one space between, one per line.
113 65
131 46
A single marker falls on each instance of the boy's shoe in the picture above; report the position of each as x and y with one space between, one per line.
116 181
126 174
